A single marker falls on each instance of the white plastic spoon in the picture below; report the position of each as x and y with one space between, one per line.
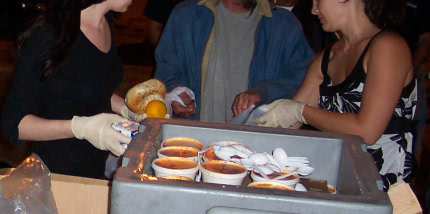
242 154
300 188
274 168
280 157
265 169
297 161
272 160
222 156
296 165
250 165
284 176
259 171
304 171
259 158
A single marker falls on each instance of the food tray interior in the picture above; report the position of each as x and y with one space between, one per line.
324 154
339 159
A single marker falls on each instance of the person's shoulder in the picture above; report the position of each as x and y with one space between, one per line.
44 32
283 17
281 12
188 9
390 43
389 39
187 4
39 38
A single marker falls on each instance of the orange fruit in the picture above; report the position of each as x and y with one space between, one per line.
156 108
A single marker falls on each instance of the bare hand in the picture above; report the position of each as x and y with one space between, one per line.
182 111
244 100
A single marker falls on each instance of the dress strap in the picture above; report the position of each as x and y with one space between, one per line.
360 60
326 58
324 64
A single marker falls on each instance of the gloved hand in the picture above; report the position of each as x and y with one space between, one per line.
127 113
283 112
98 131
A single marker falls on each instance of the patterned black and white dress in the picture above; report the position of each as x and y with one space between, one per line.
392 153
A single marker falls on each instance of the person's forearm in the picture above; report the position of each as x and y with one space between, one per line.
117 103
34 128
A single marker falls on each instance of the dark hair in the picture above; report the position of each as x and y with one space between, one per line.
385 13
64 16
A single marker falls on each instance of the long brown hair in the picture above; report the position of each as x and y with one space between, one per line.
65 18
385 13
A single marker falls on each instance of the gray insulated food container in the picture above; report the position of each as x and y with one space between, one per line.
339 159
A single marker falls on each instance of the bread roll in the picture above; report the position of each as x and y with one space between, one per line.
141 94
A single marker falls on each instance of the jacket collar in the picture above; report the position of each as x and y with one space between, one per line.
263 6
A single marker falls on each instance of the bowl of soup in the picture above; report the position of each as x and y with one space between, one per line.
175 166
182 141
223 172
179 151
270 185
290 181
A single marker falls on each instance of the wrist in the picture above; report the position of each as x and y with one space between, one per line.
75 127
304 107
124 111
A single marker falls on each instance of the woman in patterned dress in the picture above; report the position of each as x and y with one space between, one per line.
363 84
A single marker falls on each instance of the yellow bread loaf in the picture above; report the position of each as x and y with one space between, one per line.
141 94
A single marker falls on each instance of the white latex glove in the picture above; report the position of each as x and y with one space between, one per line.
98 131
283 112
127 113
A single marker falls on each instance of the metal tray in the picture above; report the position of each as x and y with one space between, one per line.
340 159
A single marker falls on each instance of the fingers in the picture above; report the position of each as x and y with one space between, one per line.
184 111
114 118
239 104
244 100
112 138
267 120
115 141
261 120
186 99
179 110
117 150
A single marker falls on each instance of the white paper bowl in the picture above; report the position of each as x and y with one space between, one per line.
270 185
288 182
223 172
175 166
179 151
227 143
182 141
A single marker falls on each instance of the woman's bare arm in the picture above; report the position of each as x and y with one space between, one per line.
34 128
389 68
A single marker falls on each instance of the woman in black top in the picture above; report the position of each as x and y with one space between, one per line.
63 84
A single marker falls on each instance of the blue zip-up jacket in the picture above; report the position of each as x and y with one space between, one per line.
280 59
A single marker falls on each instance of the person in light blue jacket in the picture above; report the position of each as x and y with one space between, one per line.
220 57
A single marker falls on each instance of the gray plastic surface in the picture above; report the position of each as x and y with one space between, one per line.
339 159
